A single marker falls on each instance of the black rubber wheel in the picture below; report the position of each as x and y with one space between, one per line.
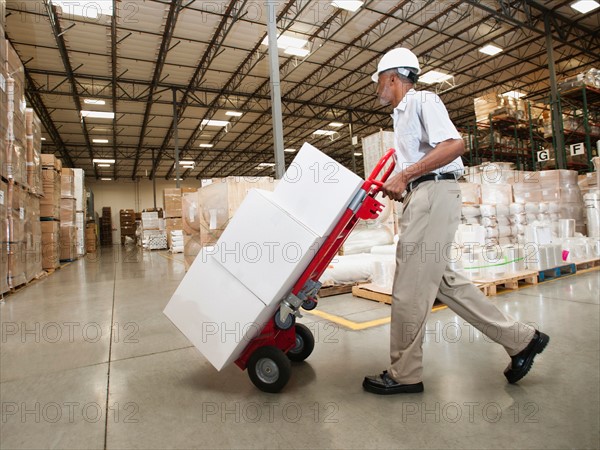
289 322
305 344
309 304
269 369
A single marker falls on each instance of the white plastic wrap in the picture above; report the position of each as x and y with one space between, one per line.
516 208
365 236
349 269
487 210
592 210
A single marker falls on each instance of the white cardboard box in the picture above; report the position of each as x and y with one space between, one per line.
79 180
265 248
216 312
316 189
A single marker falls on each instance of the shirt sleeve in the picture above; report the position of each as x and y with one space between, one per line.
436 120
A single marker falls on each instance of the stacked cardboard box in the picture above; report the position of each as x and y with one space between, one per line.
91 238
80 207
3 238
15 215
32 237
127 223
13 117
50 244
33 128
68 218
106 226
173 209
50 211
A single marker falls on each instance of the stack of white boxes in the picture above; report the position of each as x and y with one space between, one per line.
154 236
80 206
177 244
232 289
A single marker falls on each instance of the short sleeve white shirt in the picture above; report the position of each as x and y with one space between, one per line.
421 122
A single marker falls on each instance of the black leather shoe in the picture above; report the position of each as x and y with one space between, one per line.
384 385
522 362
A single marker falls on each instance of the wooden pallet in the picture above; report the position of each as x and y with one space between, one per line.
587 264
556 272
328 291
371 292
490 286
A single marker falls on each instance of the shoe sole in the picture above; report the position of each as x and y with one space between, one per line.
389 391
513 377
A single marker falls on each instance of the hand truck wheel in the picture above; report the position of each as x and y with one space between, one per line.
289 322
269 369
305 344
309 304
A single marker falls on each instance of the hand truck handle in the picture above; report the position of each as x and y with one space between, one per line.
379 168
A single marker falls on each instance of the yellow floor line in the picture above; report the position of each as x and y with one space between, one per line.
164 255
357 326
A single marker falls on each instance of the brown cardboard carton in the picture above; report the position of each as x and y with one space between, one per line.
172 202
68 243
67 183
67 212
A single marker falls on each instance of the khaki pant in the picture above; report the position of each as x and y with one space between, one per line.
429 222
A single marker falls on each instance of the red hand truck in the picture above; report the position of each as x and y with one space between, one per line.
267 357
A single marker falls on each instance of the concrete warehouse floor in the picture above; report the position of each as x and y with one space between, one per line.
88 360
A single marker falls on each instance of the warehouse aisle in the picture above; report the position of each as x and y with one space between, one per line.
88 360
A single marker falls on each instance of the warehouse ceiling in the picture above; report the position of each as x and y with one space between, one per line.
137 55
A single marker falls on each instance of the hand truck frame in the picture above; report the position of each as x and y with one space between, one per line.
267 357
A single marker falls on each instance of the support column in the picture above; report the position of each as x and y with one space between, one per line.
557 127
276 113
176 136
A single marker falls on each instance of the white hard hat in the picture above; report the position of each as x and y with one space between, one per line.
397 57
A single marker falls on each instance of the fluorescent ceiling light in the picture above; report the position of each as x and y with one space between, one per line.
266 164
336 124
357 154
234 113
92 101
324 132
103 165
103 161
285 41
585 6
106 179
215 123
98 114
89 9
100 141
177 179
490 50
206 145
289 150
514 94
43 139
349 5
186 163
433 76
302 52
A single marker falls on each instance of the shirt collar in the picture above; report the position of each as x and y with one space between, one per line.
402 105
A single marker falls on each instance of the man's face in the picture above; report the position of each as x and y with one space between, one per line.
384 89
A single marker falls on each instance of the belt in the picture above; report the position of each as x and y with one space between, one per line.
430 177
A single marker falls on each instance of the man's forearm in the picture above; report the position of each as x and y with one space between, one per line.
444 153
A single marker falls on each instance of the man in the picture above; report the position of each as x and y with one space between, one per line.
428 151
